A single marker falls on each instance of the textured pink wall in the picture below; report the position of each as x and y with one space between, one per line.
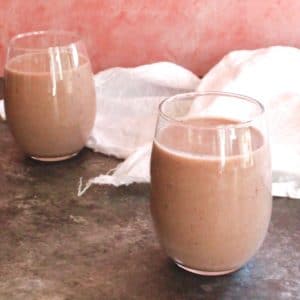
193 33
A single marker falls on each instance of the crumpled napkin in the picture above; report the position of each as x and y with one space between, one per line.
127 104
128 100
270 75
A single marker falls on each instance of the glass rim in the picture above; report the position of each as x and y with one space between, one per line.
240 124
58 32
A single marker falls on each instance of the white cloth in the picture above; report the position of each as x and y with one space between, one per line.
127 104
270 75
128 100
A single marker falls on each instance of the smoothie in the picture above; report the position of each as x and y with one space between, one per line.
210 193
50 102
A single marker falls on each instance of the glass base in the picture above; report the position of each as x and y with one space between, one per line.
54 159
204 273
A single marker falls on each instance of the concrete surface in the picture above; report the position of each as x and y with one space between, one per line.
54 245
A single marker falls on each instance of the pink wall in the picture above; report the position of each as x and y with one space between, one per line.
193 33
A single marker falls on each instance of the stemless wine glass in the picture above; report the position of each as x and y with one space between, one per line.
49 94
211 180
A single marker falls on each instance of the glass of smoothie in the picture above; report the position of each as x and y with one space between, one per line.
49 94
211 196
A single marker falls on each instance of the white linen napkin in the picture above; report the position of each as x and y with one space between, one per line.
128 101
270 75
127 104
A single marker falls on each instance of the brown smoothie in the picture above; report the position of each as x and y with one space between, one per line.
50 102
210 193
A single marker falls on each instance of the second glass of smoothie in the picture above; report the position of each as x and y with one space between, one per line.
49 94
211 180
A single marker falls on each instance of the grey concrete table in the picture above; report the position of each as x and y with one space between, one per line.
55 245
